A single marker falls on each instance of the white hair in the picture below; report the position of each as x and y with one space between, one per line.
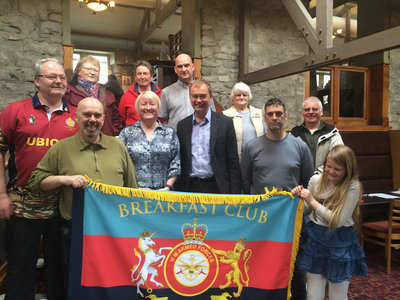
312 99
39 65
240 86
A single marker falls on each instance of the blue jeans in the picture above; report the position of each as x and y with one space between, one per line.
22 247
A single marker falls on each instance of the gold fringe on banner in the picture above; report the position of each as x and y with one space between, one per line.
182 197
208 199
296 239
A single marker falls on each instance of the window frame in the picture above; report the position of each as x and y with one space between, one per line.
335 119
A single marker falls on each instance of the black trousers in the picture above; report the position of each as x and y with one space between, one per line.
22 244
203 185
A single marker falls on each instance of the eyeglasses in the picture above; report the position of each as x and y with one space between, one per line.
242 95
91 69
53 77
201 96
277 113
315 109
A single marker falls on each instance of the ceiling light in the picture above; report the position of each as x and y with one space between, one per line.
337 33
98 5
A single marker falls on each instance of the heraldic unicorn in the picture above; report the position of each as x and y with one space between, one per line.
151 258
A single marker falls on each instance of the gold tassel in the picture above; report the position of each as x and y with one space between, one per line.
296 239
183 197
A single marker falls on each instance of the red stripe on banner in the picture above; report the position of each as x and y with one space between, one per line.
108 261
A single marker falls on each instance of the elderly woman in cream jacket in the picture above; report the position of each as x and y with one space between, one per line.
248 120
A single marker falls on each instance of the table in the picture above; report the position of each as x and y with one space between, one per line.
374 208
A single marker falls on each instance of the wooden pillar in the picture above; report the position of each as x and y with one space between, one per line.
243 39
68 60
395 145
191 27
197 67
379 95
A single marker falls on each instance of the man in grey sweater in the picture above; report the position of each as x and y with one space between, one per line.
277 160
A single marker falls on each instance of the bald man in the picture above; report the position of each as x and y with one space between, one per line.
175 100
88 152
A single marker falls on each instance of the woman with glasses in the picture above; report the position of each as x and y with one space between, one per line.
85 84
143 72
247 120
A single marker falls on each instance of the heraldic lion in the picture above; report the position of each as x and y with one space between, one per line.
232 258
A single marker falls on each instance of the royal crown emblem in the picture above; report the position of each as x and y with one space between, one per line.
194 233
191 267
145 234
242 243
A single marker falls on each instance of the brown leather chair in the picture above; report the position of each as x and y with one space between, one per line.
374 159
385 233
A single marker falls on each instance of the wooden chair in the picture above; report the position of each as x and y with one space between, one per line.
385 233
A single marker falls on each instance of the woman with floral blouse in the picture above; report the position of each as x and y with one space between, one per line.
153 147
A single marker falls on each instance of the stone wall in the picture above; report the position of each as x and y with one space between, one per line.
29 30
394 89
274 39
394 73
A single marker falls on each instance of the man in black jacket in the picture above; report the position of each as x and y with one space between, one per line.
209 157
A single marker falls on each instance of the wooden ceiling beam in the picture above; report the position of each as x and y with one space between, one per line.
145 19
243 37
336 3
303 21
344 10
162 16
324 25
378 42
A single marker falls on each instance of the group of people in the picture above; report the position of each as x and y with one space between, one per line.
172 140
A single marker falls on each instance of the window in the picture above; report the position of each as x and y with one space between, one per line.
343 93
103 68
76 59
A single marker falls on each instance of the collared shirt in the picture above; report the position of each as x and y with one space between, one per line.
201 158
175 103
156 159
106 161
28 133
49 111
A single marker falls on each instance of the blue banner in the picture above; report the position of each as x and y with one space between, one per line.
130 244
